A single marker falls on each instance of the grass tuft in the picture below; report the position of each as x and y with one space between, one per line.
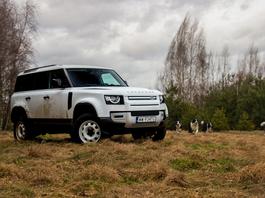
177 179
100 173
42 181
185 164
253 174
224 165
39 151
81 156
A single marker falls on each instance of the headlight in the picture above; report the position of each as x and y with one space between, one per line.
161 99
115 100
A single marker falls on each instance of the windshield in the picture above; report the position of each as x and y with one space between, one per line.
83 77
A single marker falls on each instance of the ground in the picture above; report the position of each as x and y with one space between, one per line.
224 164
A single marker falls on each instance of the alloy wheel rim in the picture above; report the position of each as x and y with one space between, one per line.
89 131
21 131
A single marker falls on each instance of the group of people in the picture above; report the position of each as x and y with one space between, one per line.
194 126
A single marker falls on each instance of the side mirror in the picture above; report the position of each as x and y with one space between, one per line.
126 82
56 83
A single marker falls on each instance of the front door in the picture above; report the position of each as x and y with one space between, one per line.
55 99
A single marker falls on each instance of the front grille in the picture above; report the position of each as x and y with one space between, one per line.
141 105
142 97
144 113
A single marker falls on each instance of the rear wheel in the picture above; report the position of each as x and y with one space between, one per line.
86 129
22 130
138 135
141 133
160 133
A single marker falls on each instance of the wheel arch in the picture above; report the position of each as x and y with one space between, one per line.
84 108
16 112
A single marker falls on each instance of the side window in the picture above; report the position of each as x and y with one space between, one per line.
24 83
58 79
41 80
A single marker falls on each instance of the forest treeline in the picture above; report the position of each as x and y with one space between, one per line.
199 83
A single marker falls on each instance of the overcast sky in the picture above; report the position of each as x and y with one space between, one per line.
133 36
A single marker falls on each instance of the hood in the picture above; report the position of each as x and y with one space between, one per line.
128 91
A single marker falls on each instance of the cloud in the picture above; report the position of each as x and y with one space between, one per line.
229 24
133 36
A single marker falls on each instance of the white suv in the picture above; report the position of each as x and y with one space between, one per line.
86 101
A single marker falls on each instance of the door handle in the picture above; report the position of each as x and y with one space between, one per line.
27 98
46 97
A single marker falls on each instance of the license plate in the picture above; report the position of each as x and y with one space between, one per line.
143 119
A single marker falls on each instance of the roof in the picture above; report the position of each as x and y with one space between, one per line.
55 66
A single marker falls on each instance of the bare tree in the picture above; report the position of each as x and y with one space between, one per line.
250 63
202 68
261 69
253 60
212 69
191 73
186 64
224 61
16 29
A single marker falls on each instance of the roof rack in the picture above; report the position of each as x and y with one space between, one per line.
36 68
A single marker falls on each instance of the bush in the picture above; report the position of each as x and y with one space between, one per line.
219 120
174 111
244 123
180 110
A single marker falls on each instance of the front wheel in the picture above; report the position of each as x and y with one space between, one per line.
86 130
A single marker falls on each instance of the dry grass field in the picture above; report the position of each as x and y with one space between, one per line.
230 164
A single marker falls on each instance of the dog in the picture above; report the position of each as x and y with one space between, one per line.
206 126
194 126
178 126
262 125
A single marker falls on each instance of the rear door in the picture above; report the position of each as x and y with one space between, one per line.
23 95
29 91
40 83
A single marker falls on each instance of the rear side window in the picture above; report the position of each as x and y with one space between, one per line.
25 83
32 82
41 80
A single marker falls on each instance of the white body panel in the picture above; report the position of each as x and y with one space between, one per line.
55 107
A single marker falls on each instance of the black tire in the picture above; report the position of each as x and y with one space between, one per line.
140 133
22 130
137 135
86 129
160 133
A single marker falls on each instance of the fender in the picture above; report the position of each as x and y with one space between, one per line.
84 108
97 102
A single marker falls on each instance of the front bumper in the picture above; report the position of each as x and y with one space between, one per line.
109 127
130 118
